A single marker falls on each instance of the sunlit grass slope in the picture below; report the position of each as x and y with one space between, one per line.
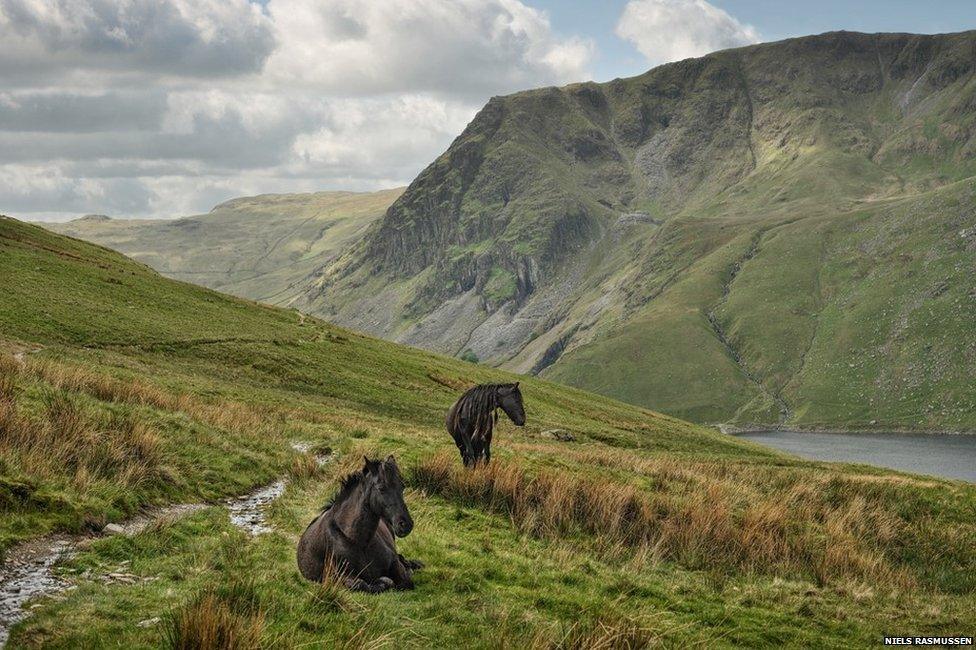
122 389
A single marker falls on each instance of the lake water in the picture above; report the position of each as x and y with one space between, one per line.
947 456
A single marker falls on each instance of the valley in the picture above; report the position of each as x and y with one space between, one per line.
259 247
122 391
488 325
776 235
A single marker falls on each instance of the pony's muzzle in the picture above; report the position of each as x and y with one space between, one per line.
402 527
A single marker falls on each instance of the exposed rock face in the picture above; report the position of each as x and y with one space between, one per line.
674 238
774 233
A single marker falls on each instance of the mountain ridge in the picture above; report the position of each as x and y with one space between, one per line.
716 238
511 239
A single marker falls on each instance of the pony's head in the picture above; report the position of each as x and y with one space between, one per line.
384 493
510 399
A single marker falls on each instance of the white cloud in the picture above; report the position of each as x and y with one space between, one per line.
671 30
386 135
165 107
463 46
193 38
45 190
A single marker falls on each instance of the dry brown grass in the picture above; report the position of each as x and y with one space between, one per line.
609 631
304 467
64 440
8 395
212 623
717 525
227 415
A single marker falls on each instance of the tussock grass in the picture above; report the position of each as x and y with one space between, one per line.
330 595
605 633
8 403
222 614
608 631
65 440
796 532
227 415
214 622
304 467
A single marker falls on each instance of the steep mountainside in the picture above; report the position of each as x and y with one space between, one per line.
779 233
259 247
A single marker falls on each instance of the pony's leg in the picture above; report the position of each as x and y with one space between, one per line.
413 565
469 454
358 584
477 450
382 584
401 574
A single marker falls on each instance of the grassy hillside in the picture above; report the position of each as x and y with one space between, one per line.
778 234
119 389
257 247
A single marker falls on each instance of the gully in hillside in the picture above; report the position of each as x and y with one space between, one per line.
356 532
472 418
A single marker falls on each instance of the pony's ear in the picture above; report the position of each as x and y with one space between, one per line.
516 385
367 465
391 460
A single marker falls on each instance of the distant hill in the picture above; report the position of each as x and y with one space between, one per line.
782 233
258 247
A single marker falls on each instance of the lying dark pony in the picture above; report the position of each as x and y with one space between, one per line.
355 533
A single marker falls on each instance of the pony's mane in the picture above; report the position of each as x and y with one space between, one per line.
349 483
478 405
481 394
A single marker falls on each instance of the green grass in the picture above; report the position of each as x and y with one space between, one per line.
222 385
502 286
485 586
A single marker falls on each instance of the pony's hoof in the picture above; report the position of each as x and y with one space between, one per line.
383 584
415 565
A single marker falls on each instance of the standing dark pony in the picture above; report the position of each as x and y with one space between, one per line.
355 532
472 418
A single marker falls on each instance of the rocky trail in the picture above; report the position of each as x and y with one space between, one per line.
29 570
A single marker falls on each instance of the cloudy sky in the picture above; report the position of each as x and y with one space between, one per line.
162 108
